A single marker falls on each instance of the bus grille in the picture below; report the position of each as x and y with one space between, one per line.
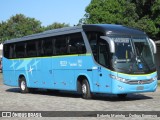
135 82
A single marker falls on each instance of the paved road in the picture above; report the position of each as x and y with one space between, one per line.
12 100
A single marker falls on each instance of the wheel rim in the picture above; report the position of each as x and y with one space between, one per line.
84 89
23 85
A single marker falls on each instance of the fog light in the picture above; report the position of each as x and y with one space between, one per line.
120 87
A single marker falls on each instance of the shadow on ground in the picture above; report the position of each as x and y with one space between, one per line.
101 97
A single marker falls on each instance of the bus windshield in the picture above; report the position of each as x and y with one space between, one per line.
132 55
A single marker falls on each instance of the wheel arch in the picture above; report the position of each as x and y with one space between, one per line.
80 78
21 76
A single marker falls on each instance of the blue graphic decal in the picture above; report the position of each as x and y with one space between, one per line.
140 66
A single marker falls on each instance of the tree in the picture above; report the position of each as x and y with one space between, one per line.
142 14
109 11
56 25
149 16
2 31
18 26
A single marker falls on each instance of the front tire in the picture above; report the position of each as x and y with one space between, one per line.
86 93
23 85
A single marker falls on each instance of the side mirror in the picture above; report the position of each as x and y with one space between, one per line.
110 42
153 46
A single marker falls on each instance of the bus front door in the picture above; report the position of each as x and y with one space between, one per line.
102 82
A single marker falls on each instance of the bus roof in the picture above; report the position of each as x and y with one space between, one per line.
113 29
104 28
48 33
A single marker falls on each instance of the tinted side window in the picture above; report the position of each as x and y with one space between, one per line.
104 53
100 48
76 44
31 49
93 38
48 47
20 50
11 51
6 50
40 48
60 45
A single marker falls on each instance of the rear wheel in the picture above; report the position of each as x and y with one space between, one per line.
86 93
23 85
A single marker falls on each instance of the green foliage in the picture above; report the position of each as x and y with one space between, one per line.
20 25
56 25
110 11
142 14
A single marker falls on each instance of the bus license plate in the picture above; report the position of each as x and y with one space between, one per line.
140 87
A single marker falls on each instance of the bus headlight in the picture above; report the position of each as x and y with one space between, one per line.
119 78
154 78
134 82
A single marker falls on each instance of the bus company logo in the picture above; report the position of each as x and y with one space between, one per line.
79 63
140 82
63 63
6 114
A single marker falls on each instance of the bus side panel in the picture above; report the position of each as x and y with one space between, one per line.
64 79
29 68
104 80
97 75
85 64
32 72
6 74
9 72
64 72
89 77
46 77
68 68
24 67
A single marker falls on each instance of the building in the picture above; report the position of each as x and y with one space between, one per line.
1 49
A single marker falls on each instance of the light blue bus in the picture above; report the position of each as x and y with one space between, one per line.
97 58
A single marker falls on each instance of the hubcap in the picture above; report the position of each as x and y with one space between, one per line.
23 85
84 89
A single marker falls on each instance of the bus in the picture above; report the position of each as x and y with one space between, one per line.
87 59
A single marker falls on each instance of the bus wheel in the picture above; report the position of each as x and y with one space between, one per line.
86 93
122 96
23 85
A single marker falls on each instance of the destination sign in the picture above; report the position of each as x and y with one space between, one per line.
121 40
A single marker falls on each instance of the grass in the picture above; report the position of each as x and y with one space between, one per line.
159 83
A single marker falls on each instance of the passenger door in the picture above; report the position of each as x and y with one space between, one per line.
101 54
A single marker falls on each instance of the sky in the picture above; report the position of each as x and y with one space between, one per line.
46 11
